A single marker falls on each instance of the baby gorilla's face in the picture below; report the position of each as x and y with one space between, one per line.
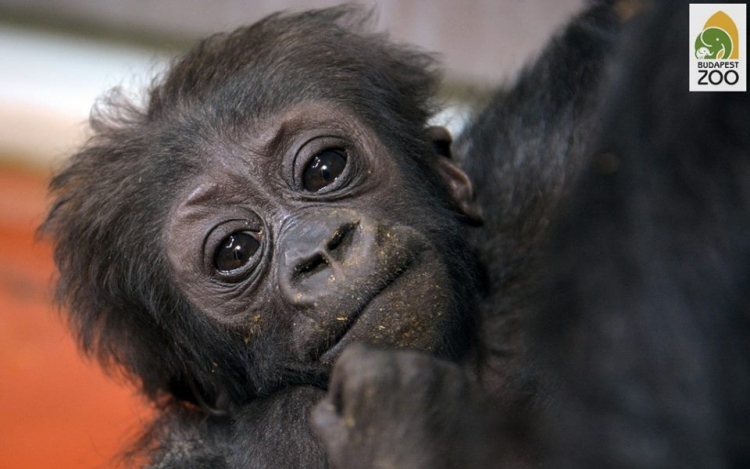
311 234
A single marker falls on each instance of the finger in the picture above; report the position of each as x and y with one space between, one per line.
328 425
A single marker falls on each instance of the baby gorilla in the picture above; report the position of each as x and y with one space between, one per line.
279 197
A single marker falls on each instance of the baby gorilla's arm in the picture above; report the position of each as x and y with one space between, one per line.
402 409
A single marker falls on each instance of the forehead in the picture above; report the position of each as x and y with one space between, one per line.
268 137
254 153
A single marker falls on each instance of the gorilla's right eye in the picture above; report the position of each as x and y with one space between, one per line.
323 169
235 251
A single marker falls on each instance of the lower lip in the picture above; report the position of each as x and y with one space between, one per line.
330 355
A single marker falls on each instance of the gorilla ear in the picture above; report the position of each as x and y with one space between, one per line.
441 140
457 182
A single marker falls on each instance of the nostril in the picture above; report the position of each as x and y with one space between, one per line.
341 237
311 265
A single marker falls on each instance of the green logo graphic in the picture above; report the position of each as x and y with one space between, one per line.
718 38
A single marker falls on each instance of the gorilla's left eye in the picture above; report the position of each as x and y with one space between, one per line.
235 251
323 169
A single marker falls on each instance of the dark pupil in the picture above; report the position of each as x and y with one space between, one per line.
323 169
235 251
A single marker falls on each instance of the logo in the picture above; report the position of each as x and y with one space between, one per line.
718 38
717 59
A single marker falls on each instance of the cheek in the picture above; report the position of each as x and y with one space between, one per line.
403 206
237 305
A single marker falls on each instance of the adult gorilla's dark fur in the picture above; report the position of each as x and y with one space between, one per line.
282 196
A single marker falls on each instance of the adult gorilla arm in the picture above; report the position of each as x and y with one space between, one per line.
524 153
647 324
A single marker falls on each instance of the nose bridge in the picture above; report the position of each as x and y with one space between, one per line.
316 223
305 236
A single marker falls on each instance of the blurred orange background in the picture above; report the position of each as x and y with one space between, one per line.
59 410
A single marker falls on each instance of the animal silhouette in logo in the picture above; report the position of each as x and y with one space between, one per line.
719 39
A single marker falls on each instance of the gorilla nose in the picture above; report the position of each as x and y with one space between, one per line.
316 254
318 248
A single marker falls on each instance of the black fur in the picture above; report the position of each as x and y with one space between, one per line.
649 314
524 153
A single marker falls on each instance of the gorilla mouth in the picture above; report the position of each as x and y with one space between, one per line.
347 334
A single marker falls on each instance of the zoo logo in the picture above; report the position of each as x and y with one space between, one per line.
718 39
715 46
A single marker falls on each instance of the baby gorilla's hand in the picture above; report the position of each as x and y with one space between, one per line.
395 409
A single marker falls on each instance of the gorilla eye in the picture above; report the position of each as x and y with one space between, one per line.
235 251
323 169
